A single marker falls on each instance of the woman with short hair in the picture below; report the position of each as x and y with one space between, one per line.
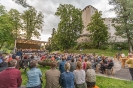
90 76
79 75
67 78
34 75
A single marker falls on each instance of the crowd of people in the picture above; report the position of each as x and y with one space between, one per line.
67 70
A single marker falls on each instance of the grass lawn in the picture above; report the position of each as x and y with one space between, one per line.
99 52
102 82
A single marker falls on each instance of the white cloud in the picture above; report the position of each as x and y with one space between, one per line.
48 8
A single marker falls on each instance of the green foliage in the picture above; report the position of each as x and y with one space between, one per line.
115 45
84 45
32 23
107 52
124 20
70 26
2 10
5 28
98 30
15 20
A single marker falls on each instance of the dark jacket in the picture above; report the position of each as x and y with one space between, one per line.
3 66
62 66
110 65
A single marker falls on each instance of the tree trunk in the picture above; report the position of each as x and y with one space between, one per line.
130 45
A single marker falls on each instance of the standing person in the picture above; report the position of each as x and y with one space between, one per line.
79 76
90 76
11 77
19 53
52 77
130 65
67 78
62 65
34 76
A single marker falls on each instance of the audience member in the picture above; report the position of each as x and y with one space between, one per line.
34 75
62 65
1 58
67 78
4 64
84 63
79 76
107 65
72 65
90 76
52 77
11 77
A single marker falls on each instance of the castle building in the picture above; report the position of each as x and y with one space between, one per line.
87 13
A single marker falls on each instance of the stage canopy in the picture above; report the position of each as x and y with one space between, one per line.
29 44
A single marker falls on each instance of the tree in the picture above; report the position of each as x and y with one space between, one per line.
98 30
124 19
69 27
15 20
2 10
5 28
32 22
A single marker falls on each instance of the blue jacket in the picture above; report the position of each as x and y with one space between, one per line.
62 66
67 80
34 75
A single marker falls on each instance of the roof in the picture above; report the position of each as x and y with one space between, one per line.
26 41
89 6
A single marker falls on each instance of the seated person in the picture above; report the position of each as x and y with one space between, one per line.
90 76
109 65
10 77
4 64
67 78
52 77
34 75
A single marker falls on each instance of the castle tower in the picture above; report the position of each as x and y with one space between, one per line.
87 13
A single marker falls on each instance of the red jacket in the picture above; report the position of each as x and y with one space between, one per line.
10 78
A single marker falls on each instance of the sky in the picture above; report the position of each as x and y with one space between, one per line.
49 7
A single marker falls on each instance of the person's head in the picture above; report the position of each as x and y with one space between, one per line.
53 64
72 60
67 67
79 65
63 58
85 59
88 65
33 64
5 59
12 63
